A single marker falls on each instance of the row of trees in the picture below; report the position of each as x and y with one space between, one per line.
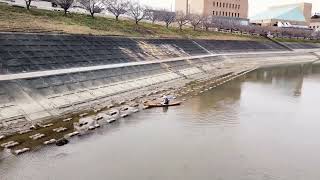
115 7
272 30
134 10
139 12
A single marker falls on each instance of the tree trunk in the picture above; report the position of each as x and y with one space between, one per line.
167 25
117 18
180 27
65 12
194 28
92 14
28 3
137 22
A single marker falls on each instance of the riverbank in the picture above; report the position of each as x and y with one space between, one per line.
183 88
51 81
225 133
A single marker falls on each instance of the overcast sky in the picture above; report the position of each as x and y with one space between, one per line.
255 6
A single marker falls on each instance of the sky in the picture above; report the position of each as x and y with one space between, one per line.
255 6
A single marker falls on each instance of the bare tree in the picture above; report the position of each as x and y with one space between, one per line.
316 34
28 4
117 7
182 19
206 22
154 15
137 12
64 4
195 20
168 17
93 6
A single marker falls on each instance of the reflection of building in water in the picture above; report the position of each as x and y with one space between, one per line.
288 77
215 99
261 75
268 74
316 68
299 85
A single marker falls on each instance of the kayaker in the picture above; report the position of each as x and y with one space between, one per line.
166 100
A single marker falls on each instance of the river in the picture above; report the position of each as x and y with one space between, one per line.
266 127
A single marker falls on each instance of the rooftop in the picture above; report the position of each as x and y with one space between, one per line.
316 16
290 13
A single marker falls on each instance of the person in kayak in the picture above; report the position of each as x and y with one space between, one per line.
166 100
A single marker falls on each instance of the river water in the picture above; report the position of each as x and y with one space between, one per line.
266 127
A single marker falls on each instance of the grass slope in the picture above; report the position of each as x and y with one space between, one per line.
19 19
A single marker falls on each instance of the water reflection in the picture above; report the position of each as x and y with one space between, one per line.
265 127
228 93
165 109
290 78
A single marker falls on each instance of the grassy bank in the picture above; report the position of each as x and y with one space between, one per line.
36 20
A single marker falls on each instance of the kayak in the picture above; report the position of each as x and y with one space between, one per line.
62 142
151 105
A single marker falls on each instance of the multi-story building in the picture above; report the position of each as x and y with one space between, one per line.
315 22
295 15
220 8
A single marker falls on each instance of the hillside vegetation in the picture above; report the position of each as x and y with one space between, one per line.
20 20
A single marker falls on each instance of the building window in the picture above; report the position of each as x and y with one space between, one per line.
220 4
238 14
223 4
213 13
239 6
229 14
232 6
214 3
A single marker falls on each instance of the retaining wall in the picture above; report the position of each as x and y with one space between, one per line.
32 98
296 45
38 52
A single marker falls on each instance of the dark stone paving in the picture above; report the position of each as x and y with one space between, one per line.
37 52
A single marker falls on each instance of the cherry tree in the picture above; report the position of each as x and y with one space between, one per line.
117 7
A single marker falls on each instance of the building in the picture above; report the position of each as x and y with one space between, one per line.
315 22
290 15
219 8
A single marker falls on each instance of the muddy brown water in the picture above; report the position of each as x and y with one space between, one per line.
264 127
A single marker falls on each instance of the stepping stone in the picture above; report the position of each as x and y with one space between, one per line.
66 120
21 151
51 141
47 125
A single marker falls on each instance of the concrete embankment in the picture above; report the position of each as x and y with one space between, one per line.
43 77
